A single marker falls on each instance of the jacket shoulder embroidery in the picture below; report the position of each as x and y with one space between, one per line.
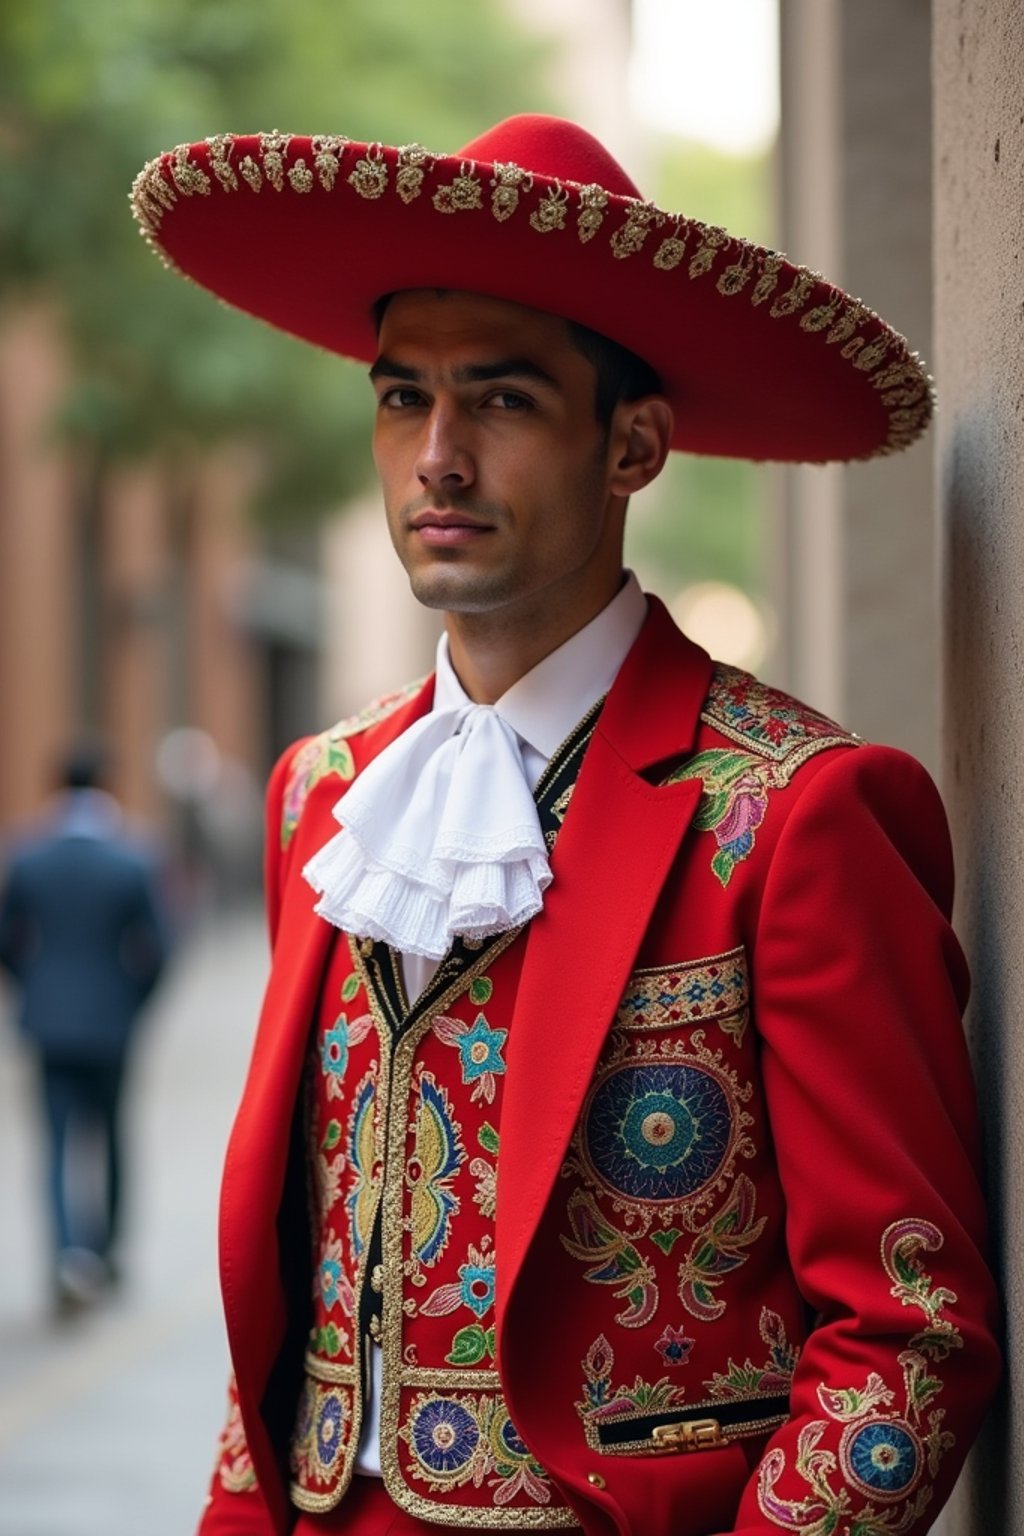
330 753
774 735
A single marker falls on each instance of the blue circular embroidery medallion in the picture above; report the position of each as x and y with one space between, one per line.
882 1458
443 1435
330 1421
658 1132
508 1442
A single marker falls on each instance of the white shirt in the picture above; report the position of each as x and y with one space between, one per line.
542 708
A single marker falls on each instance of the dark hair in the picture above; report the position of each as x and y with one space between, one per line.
82 767
621 375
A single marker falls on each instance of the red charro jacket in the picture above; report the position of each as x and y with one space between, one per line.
719 836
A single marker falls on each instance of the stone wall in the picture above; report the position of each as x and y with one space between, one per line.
978 69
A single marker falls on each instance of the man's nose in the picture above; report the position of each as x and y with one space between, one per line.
444 460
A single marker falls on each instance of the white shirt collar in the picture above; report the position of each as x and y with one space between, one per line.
546 702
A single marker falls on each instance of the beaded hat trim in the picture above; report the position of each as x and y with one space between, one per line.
761 358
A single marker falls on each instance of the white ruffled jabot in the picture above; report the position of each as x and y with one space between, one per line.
440 837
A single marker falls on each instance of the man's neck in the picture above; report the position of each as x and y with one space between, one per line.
490 652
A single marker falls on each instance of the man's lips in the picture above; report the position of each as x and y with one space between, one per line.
447 527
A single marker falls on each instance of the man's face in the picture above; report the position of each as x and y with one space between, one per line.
494 469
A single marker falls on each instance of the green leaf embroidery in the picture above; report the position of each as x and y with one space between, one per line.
350 988
470 1345
332 1135
488 1138
328 1340
666 1241
481 990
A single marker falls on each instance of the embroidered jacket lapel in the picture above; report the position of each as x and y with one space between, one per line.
613 855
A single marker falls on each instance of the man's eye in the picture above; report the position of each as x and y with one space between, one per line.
511 400
400 398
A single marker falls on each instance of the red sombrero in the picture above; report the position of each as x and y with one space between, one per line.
761 359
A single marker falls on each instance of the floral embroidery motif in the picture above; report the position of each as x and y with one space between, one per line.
658 1138
883 1454
362 1159
330 753
718 1250
328 1166
506 181
234 1464
274 147
479 1050
335 1048
319 1436
463 195
369 176
671 997
775 1376
630 239
335 1287
776 734
311 763
437 1156
613 1260
413 163
733 804
593 206
673 1346
188 178
603 1401
767 721
454 1440
474 1288
550 214
661 1129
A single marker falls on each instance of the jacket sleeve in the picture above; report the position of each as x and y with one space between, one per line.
234 1504
859 986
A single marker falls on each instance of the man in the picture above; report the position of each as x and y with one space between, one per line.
83 934
607 1155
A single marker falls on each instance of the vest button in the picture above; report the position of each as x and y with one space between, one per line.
595 1480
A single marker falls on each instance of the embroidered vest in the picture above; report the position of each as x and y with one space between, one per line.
403 1120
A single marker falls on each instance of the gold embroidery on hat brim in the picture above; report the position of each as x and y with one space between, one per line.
906 395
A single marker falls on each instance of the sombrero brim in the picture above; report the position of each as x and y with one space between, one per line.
761 359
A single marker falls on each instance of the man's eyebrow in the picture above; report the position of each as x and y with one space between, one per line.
467 373
387 368
502 368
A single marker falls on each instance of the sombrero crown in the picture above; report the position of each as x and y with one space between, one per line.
761 359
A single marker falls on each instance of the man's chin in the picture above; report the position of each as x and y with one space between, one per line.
461 591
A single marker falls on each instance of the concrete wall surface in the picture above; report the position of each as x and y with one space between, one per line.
858 594
978 66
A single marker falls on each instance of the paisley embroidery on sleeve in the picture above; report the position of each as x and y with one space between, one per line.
773 735
877 1480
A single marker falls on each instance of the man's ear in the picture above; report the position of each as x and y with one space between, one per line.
641 433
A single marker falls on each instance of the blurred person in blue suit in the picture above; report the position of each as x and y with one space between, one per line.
84 934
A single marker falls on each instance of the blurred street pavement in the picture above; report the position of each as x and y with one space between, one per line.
108 1422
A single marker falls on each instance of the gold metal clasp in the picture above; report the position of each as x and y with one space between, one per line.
695 1435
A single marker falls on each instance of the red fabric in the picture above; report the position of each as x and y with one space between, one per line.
367 1511
760 359
829 870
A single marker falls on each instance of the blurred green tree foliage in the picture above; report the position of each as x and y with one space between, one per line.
708 521
90 89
